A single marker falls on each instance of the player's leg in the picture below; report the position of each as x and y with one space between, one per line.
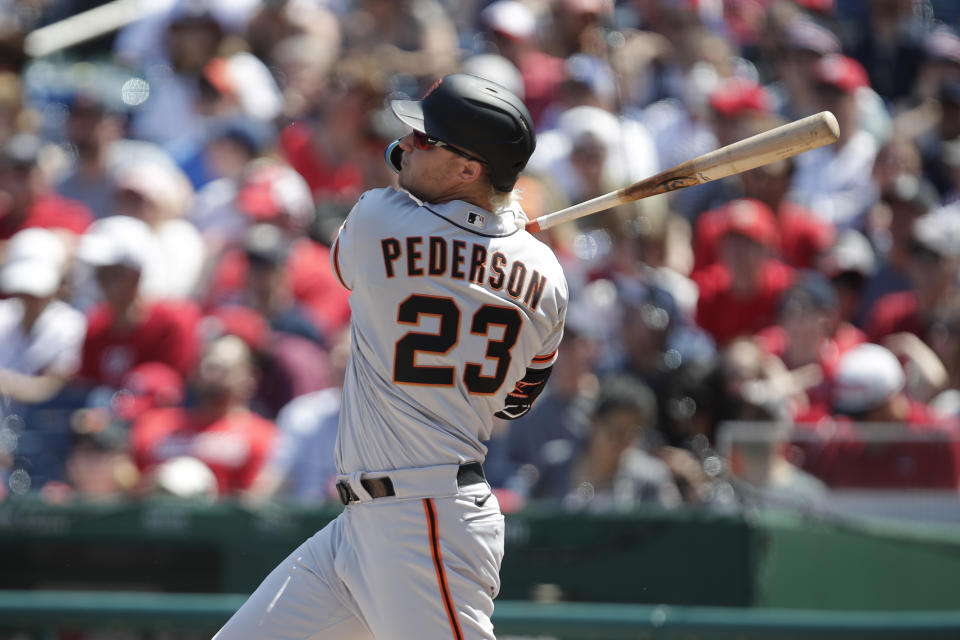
302 599
441 560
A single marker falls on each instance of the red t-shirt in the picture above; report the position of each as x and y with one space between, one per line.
166 333
893 313
726 316
51 211
234 447
928 457
802 236
342 181
314 284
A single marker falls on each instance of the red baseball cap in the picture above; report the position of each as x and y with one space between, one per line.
270 189
753 219
147 386
736 95
243 322
840 71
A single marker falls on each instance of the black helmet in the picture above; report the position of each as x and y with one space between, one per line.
475 115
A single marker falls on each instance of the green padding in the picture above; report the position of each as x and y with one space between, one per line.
819 565
203 612
686 558
649 557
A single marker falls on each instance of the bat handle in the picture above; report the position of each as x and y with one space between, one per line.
585 208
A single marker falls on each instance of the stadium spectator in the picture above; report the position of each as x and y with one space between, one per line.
272 193
810 337
26 196
615 471
801 236
328 148
932 270
579 26
159 195
267 288
96 128
942 129
40 335
229 150
849 262
40 347
147 386
936 62
126 329
99 466
796 42
91 128
287 365
907 199
301 464
740 293
755 385
889 44
834 180
218 428
413 40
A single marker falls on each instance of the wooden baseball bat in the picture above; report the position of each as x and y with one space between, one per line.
776 144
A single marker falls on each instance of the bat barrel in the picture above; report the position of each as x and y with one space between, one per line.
770 146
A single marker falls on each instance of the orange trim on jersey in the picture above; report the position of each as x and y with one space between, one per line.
336 264
430 510
546 358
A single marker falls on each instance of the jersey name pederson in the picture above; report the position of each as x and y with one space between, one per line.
439 257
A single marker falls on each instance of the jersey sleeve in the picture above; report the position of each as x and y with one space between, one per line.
342 253
520 400
547 354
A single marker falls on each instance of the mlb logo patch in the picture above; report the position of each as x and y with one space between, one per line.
475 219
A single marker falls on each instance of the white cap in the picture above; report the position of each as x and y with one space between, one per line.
116 240
939 230
851 251
867 376
185 477
33 263
163 186
510 18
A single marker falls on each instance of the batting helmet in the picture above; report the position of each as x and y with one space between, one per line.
475 115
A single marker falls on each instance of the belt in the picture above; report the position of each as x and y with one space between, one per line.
469 473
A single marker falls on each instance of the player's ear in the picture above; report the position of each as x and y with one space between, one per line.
471 170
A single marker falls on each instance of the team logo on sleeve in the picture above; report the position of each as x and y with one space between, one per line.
475 219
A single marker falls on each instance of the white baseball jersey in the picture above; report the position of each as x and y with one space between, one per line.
450 305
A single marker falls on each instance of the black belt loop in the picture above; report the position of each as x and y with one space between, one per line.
470 473
467 474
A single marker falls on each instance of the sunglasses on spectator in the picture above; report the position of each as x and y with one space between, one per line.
424 142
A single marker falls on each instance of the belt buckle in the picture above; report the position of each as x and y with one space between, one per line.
346 495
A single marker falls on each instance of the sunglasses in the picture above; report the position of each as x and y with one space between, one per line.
424 142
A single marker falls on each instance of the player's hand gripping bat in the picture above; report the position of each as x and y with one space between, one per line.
776 144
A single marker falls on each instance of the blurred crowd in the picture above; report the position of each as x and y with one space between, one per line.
169 321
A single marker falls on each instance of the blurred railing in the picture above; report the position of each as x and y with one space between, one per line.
45 613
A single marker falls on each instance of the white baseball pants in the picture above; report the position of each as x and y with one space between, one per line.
423 564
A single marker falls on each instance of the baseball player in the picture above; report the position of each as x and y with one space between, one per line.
456 317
